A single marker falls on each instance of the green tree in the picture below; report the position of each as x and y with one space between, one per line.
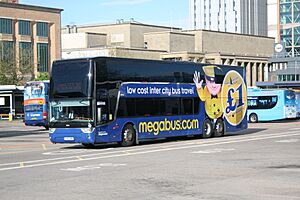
42 76
15 71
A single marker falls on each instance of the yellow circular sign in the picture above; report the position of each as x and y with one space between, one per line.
234 98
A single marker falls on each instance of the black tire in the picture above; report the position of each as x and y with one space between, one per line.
88 145
219 128
253 118
46 127
128 136
207 130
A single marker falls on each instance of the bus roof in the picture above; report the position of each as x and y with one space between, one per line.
141 60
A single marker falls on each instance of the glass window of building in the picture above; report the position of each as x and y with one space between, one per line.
297 12
25 54
43 57
24 27
7 52
6 26
286 35
286 13
42 29
297 36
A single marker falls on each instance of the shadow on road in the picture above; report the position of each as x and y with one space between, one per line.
246 132
7 134
281 121
165 140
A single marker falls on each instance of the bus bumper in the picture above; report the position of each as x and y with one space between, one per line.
74 135
36 123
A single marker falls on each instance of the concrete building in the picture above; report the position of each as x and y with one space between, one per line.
136 40
236 16
33 29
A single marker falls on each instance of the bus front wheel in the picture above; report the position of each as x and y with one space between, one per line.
253 118
219 128
128 136
207 129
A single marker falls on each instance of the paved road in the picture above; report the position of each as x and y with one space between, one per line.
263 162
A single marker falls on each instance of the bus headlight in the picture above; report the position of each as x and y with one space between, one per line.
87 130
52 130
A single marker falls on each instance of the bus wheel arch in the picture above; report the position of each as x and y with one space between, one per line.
253 118
207 130
128 135
219 128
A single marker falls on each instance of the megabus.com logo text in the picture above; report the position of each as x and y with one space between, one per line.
167 125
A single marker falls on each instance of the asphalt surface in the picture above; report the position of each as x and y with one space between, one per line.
262 162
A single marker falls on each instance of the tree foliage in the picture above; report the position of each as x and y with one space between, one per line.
15 70
42 76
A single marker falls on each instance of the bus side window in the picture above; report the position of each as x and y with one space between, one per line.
187 106
196 105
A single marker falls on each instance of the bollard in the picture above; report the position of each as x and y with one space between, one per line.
10 117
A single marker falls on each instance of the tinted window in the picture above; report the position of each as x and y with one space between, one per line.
71 79
187 106
262 102
144 107
134 70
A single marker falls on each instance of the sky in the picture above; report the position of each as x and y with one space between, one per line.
156 12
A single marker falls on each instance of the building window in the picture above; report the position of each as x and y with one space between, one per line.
7 52
43 57
24 27
42 29
6 26
25 54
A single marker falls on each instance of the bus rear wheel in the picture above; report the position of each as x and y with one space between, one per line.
253 118
207 129
219 128
128 136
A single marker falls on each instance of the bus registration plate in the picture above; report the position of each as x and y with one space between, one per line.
68 138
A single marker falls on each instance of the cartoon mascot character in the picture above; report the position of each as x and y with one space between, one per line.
211 93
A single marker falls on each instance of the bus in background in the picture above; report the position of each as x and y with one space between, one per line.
297 98
104 100
268 105
36 103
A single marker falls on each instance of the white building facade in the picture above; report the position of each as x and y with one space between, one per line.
235 16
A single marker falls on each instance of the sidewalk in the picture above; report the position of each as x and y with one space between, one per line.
16 122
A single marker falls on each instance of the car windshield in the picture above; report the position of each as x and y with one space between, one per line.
71 110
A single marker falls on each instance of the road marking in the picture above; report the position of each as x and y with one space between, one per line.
21 164
294 129
44 147
288 141
92 167
79 158
208 151
64 160
65 152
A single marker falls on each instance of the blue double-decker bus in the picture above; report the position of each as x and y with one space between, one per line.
36 103
270 104
104 100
